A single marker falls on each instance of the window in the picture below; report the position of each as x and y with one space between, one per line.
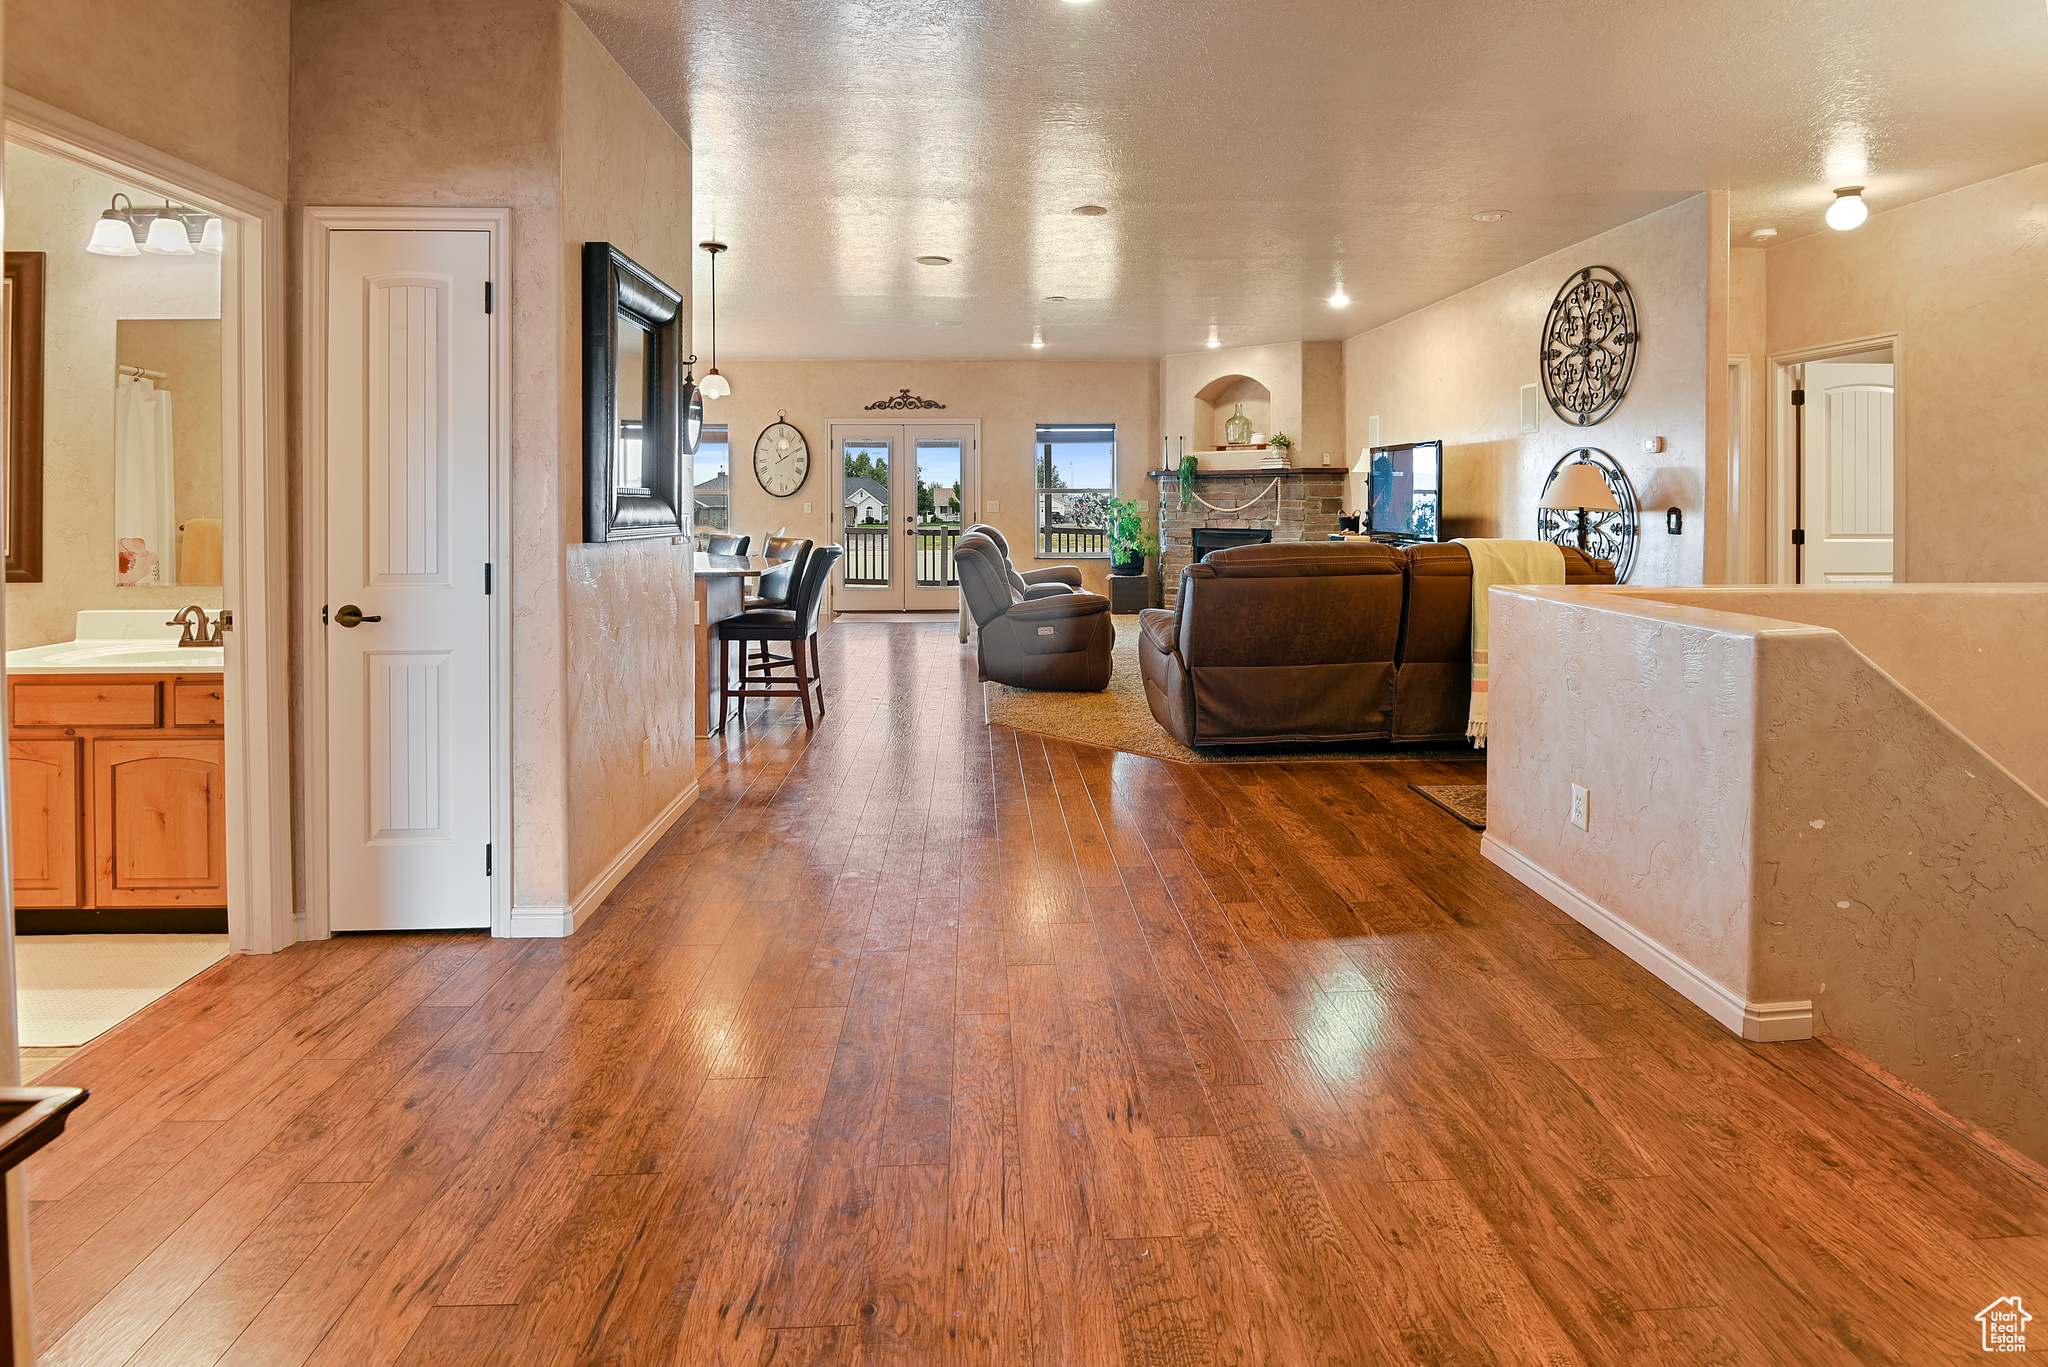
1076 479
711 481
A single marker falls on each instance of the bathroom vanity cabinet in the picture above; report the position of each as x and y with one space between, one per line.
120 791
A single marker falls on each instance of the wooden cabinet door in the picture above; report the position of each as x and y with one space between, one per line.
159 823
43 775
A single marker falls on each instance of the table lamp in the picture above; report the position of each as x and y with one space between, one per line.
1580 486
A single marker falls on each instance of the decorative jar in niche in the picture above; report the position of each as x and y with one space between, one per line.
1238 430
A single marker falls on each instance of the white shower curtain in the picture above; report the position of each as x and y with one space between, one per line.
145 493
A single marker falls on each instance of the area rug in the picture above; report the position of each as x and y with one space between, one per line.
1119 718
71 988
1467 802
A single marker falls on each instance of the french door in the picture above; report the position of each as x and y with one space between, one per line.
905 490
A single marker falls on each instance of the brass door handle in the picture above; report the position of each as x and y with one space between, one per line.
349 615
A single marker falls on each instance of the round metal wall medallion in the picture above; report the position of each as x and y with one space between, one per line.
1589 346
1609 536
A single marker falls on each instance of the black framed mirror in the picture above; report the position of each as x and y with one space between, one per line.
641 413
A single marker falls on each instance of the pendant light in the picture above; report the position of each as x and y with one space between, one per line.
715 385
113 234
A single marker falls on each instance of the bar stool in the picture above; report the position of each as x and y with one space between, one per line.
727 545
796 624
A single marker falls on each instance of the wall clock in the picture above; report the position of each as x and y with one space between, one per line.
782 460
1589 346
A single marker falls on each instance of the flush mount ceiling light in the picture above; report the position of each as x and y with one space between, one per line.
715 385
1037 337
1762 235
1848 211
124 230
1489 215
935 261
1055 298
1091 211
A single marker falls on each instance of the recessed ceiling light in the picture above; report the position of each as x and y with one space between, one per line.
1340 299
1055 298
1091 211
935 261
947 325
1037 338
1490 215
1214 340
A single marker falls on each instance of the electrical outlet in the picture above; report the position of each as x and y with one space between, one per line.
1579 807
807 507
646 757
994 507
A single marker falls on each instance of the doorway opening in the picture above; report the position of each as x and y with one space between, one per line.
1837 466
147 821
903 491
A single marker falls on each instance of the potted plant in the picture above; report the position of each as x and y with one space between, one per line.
1188 465
1124 529
1282 443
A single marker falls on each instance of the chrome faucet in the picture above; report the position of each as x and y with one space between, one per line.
207 634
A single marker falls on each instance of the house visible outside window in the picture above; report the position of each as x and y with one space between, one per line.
1076 479
711 476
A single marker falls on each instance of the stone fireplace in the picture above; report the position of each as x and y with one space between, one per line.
1304 508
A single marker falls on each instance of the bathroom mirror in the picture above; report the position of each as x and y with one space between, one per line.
21 424
167 452
636 429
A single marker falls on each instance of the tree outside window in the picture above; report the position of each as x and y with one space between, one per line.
1076 479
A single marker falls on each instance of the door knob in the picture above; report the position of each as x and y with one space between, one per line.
349 615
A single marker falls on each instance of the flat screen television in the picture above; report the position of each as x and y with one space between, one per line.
1405 488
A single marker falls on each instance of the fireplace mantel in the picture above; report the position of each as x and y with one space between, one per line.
1292 472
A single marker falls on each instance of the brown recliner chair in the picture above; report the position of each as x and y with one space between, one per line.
1433 688
1287 641
1069 575
1057 639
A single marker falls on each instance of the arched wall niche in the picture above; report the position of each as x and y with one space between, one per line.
1217 400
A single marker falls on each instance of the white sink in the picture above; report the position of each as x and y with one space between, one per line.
123 642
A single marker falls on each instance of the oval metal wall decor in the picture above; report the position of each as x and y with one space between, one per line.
1609 536
903 399
1589 346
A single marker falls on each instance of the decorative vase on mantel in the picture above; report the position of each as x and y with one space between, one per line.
1238 430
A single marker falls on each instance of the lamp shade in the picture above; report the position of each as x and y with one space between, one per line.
213 239
1580 486
111 236
714 386
167 237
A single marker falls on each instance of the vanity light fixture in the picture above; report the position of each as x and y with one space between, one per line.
714 385
1848 211
124 230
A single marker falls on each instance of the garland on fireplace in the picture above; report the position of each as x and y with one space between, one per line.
1270 488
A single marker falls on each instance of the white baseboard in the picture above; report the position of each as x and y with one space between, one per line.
541 923
1763 1021
600 887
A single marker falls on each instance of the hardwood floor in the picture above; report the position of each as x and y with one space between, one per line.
921 1041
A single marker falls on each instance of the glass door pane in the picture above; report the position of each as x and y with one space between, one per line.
867 526
939 504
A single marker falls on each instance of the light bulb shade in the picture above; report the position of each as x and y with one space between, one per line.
1848 211
167 237
714 385
214 239
112 236
1580 486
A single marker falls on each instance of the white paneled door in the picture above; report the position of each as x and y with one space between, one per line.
1848 474
408 537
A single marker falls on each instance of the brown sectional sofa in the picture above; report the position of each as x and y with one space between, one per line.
1297 641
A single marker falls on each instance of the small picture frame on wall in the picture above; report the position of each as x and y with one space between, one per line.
21 423
641 413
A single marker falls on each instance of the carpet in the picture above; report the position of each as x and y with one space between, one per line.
1119 718
1467 802
70 988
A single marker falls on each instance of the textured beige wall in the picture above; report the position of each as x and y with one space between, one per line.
458 102
204 80
1975 654
1778 812
1962 278
1184 414
1455 369
51 205
1746 338
1010 397
631 660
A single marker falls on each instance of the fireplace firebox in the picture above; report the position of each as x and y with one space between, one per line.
1208 539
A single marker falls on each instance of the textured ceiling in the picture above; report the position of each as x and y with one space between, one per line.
1251 153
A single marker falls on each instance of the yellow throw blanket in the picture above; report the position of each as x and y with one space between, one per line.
1501 562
